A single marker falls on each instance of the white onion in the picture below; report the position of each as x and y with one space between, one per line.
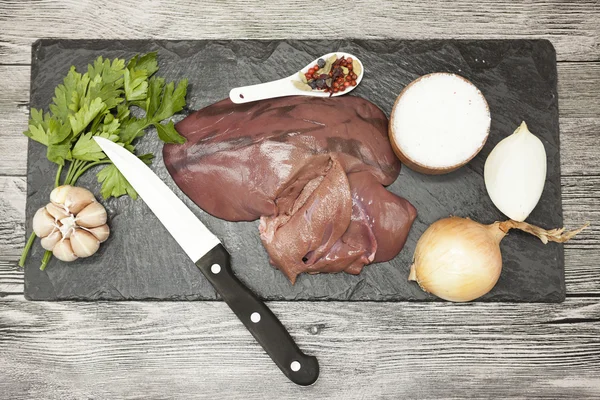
515 173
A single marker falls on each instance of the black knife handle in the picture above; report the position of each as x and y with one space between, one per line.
258 318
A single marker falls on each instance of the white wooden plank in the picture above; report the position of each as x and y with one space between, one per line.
578 92
14 112
580 144
200 350
571 26
12 216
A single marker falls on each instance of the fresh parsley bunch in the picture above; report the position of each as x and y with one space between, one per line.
99 103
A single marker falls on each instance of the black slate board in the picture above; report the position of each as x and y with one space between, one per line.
141 260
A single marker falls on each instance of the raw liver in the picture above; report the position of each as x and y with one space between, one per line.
288 161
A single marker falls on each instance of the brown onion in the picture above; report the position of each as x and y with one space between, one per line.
458 259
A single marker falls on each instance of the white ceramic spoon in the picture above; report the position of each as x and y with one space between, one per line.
285 86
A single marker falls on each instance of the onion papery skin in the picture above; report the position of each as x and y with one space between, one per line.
458 259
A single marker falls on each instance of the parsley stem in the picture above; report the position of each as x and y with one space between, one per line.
57 180
86 167
45 260
32 237
26 249
69 172
72 170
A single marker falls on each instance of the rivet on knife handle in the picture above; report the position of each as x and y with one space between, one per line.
258 318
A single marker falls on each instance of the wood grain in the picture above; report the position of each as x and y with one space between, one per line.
14 113
12 216
176 349
572 26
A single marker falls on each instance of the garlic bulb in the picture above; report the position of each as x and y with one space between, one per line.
72 225
515 173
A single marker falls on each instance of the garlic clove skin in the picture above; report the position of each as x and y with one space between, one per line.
51 240
63 251
72 198
515 173
92 215
56 211
59 194
101 232
84 244
43 223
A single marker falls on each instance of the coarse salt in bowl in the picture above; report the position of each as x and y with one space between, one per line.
439 123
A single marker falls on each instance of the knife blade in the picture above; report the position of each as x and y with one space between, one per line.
210 256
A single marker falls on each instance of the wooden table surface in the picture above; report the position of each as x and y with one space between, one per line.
103 350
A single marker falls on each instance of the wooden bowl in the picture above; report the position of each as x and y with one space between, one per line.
414 164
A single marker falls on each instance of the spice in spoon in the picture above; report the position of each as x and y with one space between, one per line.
330 76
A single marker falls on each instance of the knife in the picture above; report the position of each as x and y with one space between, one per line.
213 260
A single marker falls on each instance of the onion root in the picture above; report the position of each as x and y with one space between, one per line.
559 235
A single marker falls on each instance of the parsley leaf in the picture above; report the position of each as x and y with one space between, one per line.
38 124
155 88
85 115
146 62
78 97
114 183
173 100
63 95
132 128
168 134
109 93
59 152
86 148
108 73
57 131
136 84
111 125
138 70
147 158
